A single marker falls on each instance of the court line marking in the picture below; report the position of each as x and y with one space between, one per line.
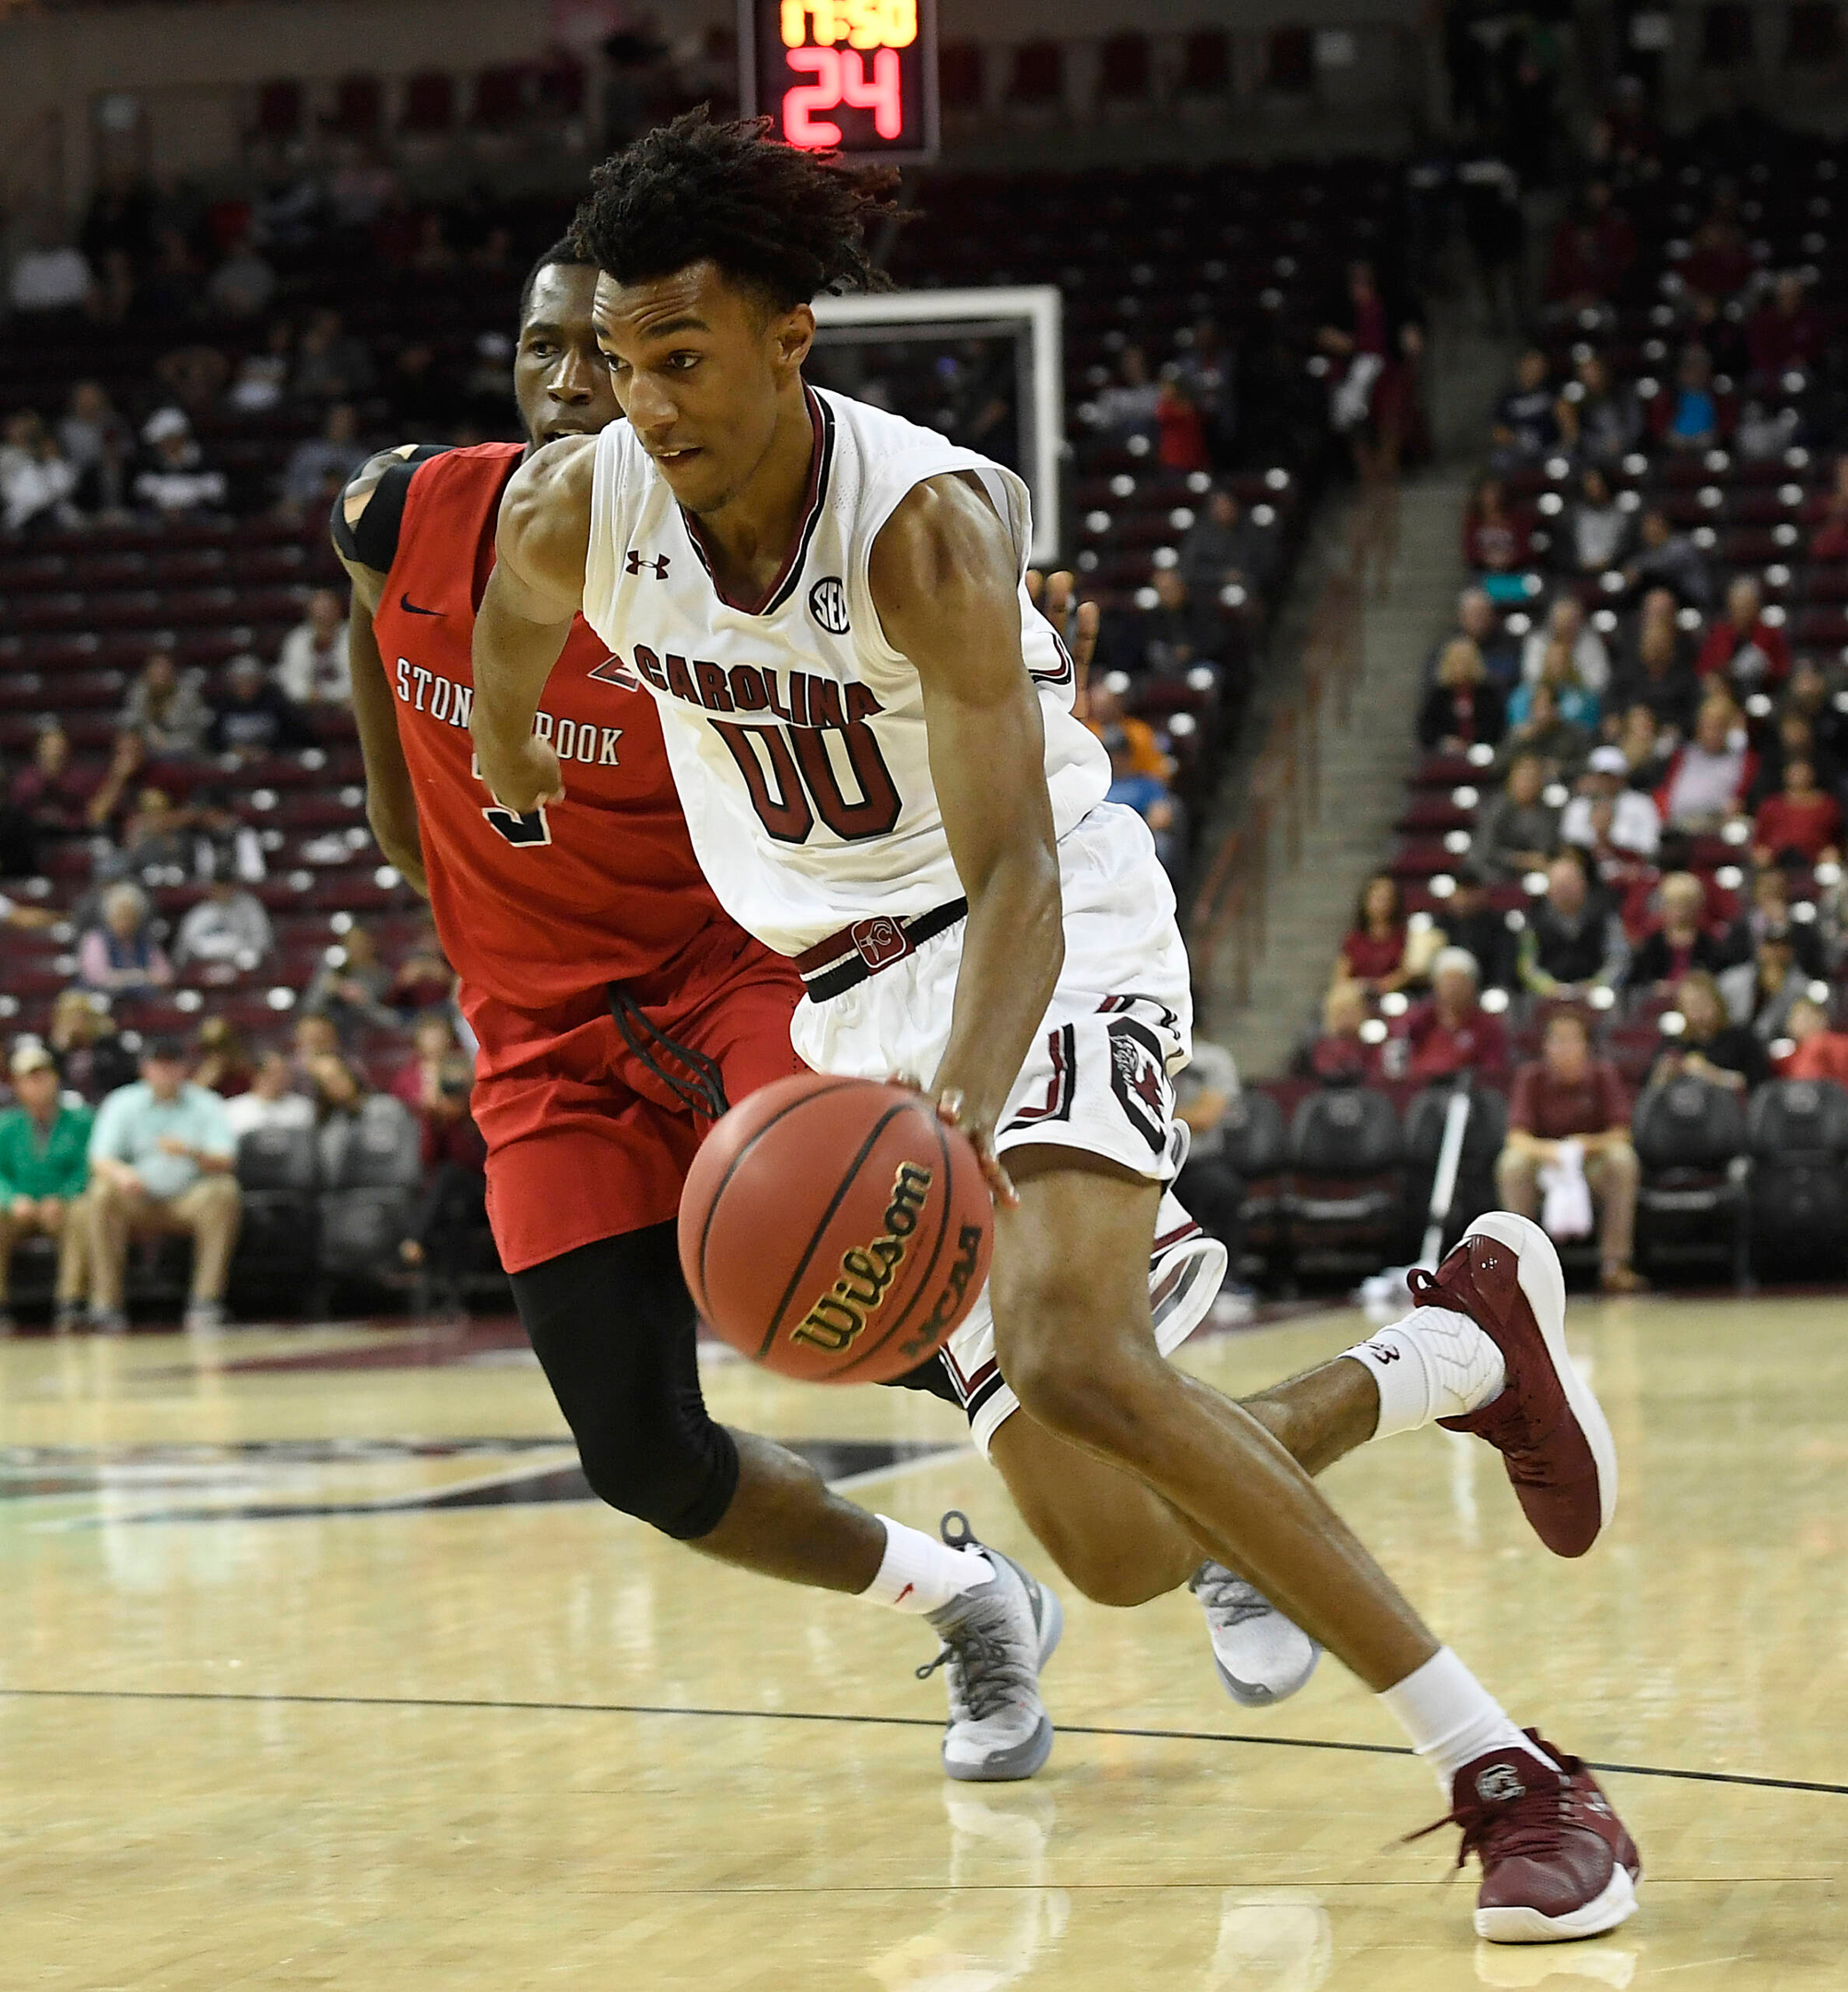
882 1722
431 1499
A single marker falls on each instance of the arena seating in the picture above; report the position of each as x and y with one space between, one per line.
1146 254
1798 1133
1725 1194
1711 1165
80 611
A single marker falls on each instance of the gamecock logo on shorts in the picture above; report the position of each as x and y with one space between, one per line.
1139 1079
878 940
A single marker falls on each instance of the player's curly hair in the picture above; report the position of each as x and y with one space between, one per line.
789 223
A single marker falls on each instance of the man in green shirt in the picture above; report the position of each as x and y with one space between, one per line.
44 1168
161 1159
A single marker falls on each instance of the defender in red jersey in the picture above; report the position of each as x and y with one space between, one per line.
618 1011
544 914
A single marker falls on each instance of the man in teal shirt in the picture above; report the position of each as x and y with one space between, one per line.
161 1159
45 1167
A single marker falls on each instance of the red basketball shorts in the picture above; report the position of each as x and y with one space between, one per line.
584 1141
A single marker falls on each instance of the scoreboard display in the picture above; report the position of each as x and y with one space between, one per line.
858 74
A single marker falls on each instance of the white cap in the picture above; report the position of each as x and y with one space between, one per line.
1608 761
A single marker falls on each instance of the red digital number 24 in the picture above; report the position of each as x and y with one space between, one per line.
841 78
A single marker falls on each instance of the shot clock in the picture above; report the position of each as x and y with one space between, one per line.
860 74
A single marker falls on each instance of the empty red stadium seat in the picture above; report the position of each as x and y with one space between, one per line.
429 106
959 75
501 96
1123 68
1289 61
1813 35
278 110
1205 63
1039 73
1726 34
359 107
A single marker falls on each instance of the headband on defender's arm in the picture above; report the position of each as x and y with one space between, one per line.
373 542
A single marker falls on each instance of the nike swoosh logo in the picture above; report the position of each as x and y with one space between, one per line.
410 607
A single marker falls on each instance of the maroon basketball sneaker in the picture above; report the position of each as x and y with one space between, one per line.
1546 1424
1557 1863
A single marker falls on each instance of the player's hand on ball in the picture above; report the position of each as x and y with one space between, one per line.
952 1112
524 778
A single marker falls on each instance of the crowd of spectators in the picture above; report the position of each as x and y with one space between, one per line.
1627 869
164 807
110 1140
230 359
221 295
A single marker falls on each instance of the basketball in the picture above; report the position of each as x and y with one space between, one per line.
835 1229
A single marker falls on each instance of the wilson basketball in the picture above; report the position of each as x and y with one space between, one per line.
835 1229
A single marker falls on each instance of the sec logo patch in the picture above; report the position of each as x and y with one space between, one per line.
828 605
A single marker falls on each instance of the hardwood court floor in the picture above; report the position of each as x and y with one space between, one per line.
269 1718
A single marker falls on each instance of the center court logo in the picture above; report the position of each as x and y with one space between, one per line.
828 605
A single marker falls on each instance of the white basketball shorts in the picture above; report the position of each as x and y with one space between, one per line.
1098 1077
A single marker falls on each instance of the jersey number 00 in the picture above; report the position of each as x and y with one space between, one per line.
793 781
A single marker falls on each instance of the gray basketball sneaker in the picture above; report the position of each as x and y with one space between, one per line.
1262 1656
996 1638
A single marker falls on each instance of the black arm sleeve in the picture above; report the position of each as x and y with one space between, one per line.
373 542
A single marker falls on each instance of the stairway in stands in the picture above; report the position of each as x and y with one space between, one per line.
1366 764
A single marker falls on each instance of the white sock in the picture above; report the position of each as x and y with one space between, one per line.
1436 1363
1452 1718
920 1574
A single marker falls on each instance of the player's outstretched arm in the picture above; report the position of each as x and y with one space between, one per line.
521 629
391 802
944 583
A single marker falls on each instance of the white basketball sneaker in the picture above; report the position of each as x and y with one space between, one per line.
1262 1656
996 1638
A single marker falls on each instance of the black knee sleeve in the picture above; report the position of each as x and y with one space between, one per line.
614 1329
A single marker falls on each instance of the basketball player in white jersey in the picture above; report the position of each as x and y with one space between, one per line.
872 732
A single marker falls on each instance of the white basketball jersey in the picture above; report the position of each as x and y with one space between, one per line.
795 731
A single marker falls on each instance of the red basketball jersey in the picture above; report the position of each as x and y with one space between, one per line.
602 888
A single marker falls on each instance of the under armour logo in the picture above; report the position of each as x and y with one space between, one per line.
656 564
1499 1783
